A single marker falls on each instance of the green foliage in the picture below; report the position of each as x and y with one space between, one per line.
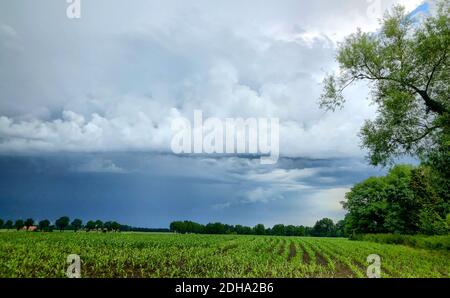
62 222
115 226
8 224
366 204
19 224
44 225
290 230
279 230
259 229
90 225
405 201
107 225
419 241
99 224
301 231
215 228
324 228
340 229
407 67
431 223
187 227
29 222
77 224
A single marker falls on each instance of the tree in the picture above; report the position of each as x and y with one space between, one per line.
8 224
404 201
29 222
98 224
90 225
115 226
19 224
407 67
279 230
176 226
239 229
259 229
402 206
44 225
324 228
62 222
229 229
77 224
367 206
290 230
215 228
300 231
247 230
243 230
340 229
431 223
107 225
1 223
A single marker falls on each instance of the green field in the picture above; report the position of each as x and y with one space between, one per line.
28 254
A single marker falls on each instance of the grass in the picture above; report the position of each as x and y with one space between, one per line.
35 254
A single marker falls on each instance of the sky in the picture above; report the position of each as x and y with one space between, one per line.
86 107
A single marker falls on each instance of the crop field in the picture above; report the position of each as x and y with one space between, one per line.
27 254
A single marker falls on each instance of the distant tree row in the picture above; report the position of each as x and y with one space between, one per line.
323 228
62 223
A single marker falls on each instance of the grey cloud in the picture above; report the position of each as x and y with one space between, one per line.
99 166
127 79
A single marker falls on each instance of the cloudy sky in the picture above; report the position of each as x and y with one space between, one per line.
86 107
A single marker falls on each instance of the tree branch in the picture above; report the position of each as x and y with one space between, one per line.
431 104
434 70
419 138
348 84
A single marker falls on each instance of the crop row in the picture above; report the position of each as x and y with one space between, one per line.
25 254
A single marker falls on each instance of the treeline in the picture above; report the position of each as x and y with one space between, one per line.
64 223
408 200
323 228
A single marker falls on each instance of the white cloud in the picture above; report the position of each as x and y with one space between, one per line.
327 200
262 195
104 85
318 204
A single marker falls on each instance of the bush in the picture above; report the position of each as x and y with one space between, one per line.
431 223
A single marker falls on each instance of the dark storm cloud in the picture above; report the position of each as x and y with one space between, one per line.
151 190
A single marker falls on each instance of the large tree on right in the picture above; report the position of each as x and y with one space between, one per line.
407 66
